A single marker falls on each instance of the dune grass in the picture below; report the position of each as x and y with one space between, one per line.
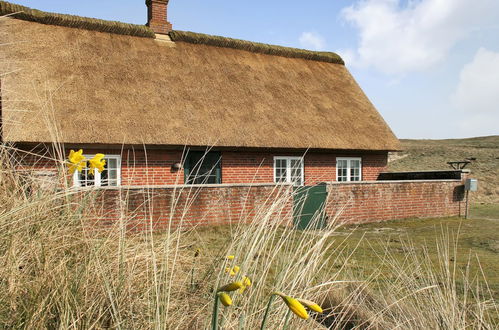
59 271
420 155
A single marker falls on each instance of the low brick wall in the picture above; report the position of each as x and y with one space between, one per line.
160 207
360 202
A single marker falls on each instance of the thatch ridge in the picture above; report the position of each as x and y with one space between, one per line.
255 47
34 15
93 24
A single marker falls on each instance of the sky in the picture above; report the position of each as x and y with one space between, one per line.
431 67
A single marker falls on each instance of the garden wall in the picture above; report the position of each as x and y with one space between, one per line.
182 205
362 202
158 207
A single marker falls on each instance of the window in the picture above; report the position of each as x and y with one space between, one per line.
111 176
288 170
203 167
348 169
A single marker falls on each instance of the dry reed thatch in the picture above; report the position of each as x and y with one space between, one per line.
33 15
114 89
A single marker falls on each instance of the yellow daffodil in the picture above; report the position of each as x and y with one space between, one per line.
230 257
232 271
294 305
96 163
225 299
231 287
246 284
310 305
246 281
76 161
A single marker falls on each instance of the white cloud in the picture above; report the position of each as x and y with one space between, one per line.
397 39
477 94
312 40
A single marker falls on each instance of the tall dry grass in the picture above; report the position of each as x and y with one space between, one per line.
56 271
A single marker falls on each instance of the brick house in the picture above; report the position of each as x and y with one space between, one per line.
173 107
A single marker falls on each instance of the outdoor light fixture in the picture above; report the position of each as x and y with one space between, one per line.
176 166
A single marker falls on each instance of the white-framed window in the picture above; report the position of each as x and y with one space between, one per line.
348 169
288 170
110 177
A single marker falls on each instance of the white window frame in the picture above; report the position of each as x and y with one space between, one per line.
349 168
97 175
288 168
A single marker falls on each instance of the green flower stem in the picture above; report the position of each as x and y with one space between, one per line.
241 322
265 316
288 317
214 319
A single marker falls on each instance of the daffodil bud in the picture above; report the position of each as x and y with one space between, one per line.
225 299
231 287
311 305
295 306
230 257
246 281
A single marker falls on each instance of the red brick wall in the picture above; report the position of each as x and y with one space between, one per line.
154 167
157 208
224 204
245 167
150 168
387 200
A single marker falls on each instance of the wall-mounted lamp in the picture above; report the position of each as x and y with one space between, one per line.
177 166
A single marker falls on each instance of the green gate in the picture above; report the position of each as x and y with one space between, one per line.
308 207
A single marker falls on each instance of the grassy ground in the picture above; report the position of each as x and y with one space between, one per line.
428 250
434 155
374 247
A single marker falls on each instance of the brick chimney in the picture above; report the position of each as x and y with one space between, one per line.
156 16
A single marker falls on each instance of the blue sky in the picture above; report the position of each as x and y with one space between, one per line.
431 67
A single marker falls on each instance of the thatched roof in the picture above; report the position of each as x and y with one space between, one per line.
114 88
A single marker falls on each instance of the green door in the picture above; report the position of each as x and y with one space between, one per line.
308 207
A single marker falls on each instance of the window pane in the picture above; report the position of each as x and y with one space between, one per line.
342 170
203 168
280 170
111 163
296 171
342 163
355 170
109 177
85 178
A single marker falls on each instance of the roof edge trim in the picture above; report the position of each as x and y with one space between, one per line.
38 16
255 47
